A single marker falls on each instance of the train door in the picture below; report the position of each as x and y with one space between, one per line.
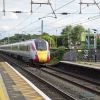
32 51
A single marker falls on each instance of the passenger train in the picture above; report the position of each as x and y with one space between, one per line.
35 50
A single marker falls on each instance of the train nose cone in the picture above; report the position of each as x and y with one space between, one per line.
42 56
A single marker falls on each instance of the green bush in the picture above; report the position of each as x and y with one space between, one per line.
58 54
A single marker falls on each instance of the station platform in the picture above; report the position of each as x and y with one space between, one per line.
88 70
14 86
92 65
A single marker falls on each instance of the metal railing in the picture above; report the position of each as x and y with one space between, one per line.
90 55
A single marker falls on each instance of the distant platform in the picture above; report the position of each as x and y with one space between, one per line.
93 65
14 86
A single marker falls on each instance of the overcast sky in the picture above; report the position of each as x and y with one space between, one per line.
25 23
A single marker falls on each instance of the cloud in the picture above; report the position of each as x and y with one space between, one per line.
40 1
5 28
61 21
10 16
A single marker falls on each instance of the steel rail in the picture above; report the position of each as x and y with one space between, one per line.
66 95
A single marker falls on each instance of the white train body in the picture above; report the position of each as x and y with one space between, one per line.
36 50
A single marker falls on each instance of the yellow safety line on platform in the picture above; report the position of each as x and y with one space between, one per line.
21 85
3 92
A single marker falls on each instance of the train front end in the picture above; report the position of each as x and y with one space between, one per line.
42 51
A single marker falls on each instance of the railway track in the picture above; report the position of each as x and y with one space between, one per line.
53 92
74 79
75 75
70 88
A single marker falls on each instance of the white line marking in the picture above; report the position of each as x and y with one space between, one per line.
30 83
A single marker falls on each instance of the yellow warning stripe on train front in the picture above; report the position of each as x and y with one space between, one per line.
42 55
3 92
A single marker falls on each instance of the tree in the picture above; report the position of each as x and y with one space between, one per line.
67 30
45 33
98 42
76 34
72 35
59 41
49 39
55 39
66 34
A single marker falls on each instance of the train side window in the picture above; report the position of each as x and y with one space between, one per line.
24 48
15 47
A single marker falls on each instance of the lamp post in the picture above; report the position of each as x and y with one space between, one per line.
23 32
56 38
95 44
41 26
88 39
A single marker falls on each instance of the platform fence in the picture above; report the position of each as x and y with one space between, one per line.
89 55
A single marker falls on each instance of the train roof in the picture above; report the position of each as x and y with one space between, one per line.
22 42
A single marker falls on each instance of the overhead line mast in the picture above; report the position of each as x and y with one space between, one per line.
4 7
43 3
88 3
31 7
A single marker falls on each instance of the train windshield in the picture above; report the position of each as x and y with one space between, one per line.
40 45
